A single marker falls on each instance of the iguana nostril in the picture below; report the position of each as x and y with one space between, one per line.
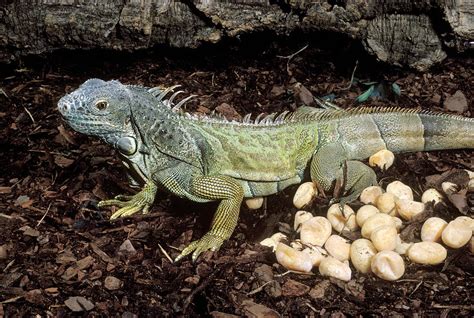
63 107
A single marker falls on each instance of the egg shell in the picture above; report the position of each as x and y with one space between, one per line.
305 194
338 247
427 253
432 195
315 231
383 159
408 209
456 234
316 253
384 238
469 222
364 213
300 218
342 218
432 229
254 203
375 221
293 259
388 265
361 253
386 203
335 268
370 194
400 190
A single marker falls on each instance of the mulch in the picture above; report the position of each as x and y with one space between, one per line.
61 256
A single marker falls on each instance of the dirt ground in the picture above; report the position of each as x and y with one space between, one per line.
60 253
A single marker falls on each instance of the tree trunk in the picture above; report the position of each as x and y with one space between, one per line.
415 34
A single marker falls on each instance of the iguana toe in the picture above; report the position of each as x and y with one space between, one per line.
129 205
207 242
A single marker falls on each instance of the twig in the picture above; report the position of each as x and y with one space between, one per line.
311 307
8 266
45 151
289 57
29 114
260 288
198 289
296 272
11 300
416 288
175 248
42 218
165 253
352 76
466 307
3 92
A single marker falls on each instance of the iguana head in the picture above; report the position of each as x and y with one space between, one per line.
102 109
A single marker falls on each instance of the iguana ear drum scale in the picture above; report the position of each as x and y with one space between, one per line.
208 158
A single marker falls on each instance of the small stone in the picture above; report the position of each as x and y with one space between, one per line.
23 201
52 290
292 288
70 273
252 309
85 262
78 303
264 273
228 111
28 231
303 94
193 280
3 251
456 102
127 248
95 274
218 314
278 90
319 291
436 99
34 296
112 283
274 289
128 314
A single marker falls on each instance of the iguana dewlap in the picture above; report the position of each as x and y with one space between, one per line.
206 159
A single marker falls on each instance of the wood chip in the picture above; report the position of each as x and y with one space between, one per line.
78 303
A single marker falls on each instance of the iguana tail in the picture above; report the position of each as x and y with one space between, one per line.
424 131
398 130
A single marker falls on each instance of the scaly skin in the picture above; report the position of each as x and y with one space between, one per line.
207 159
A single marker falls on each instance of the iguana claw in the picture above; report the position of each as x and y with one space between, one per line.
131 204
208 242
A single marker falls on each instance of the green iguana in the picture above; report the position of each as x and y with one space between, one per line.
207 158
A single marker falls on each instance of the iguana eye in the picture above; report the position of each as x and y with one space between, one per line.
101 105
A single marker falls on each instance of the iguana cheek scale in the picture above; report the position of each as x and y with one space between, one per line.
208 158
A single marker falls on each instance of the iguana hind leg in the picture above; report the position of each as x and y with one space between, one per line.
356 178
225 219
129 205
330 165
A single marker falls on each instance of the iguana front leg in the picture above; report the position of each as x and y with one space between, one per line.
224 222
129 205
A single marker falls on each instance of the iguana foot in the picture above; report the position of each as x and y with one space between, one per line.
131 204
208 242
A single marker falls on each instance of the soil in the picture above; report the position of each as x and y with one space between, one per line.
61 256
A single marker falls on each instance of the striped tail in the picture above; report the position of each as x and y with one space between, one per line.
365 131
